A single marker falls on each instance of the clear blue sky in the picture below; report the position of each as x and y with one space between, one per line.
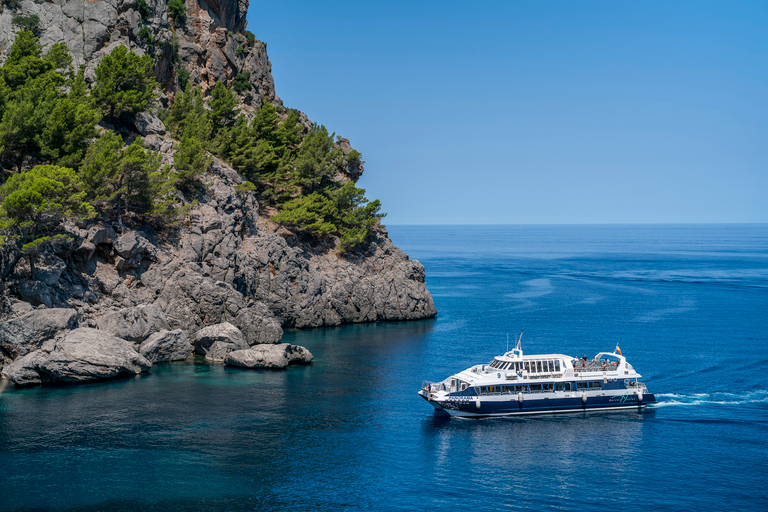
537 111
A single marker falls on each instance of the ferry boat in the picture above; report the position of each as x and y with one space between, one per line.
514 384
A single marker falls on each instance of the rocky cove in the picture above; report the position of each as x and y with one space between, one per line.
222 281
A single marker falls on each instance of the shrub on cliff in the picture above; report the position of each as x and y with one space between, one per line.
124 178
343 211
40 121
177 11
222 105
144 9
35 201
123 82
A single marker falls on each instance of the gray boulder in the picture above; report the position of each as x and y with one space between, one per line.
133 324
27 333
148 124
23 371
35 292
166 346
216 341
100 234
81 355
131 249
279 355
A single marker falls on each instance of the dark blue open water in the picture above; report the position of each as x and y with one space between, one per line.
687 304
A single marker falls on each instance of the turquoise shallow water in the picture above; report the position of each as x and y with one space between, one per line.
687 304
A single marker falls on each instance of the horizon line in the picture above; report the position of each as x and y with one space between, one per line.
588 224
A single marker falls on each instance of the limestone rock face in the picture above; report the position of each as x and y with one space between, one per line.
269 356
207 42
166 346
224 262
27 333
133 324
216 341
81 355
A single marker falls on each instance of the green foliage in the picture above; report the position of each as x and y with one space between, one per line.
343 211
244 187
316 159
35 201
144 9
69 126
312 213
250 36
126 178
24 60
39 121
177 11
242 81
190 122
191 160
148 38
354 159
182 74
222 106
188 104
239 51
11 4
124 82
27 22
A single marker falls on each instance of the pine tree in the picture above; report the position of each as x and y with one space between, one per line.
124 82
34 202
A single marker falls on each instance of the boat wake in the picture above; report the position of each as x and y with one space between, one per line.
683 400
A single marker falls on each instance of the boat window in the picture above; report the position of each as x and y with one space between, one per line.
535 388
547 386
582 385
527 367
517 367
596 385
557 365
551 366
563 386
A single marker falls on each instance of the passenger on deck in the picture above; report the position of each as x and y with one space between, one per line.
605 366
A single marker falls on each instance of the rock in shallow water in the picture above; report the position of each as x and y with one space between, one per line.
280 355
216 341
81 355
27 333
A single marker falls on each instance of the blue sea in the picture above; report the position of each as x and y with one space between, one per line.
688 305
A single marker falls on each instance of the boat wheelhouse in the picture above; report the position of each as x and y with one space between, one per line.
516 384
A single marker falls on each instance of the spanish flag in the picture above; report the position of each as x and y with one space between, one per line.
618 350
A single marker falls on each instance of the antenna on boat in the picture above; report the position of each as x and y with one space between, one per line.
507 342
517 345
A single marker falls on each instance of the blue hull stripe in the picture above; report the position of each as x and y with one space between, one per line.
543 406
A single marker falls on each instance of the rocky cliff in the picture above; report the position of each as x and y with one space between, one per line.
205 44
224 264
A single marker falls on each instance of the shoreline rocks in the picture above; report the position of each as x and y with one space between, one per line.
216 341
80 355
278 356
